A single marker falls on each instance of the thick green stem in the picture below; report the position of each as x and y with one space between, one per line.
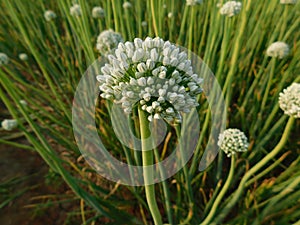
222 193
148 171
166 189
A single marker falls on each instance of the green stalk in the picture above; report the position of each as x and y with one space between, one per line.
293 27
17 145
269 120
222 193
99 21
182 25
185 171
279 123
166 189
172 23
267 170
108 14
117 28
129 25
284 23
204 33
272 72
154 18
265 97
138 19
190 44
254 84
224 47
236 51
120 13
198 147
280 196
148 173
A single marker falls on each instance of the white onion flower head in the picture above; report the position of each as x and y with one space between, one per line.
9 124
144 23
3 59
107 41
194 2
75 10
127 5
288 1
289 100
153 74
23 56
231 8
170 15
49 15
232 141
278 49
98 12
23 102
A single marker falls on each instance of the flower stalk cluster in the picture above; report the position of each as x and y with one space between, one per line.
154 74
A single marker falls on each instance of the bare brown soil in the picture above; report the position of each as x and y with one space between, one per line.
23 178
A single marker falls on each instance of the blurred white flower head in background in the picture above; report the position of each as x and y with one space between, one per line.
23 102
9 124
288 1
144 23
107 41
154 74
3 59
278 49
98 12
75 10
170 15
49 15
194 2
232 141
23 56
289 100
127 5
231 8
